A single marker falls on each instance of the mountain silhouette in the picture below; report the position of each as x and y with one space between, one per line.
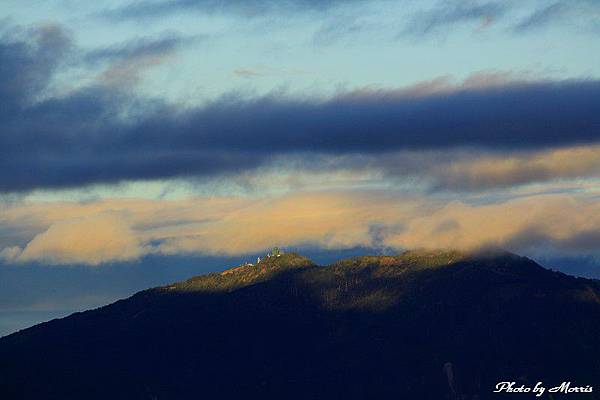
418 325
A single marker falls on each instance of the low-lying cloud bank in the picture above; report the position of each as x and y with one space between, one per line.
100 133
120 230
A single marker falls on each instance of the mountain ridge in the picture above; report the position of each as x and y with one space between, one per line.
383 326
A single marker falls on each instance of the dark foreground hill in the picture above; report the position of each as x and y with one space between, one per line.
421 325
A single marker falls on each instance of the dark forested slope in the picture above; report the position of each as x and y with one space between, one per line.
418 325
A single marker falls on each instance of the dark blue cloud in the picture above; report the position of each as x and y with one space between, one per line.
26 66
102 134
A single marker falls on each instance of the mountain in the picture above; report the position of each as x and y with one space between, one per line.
419 325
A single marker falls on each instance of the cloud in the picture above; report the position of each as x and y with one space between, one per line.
231 135
27 66
90 240
543 16
128 60
536 222
260 72
348 26
498 171
117 230
107 134
579 12
140 47
468 170
10 254
248 73
449 14
160 8
320 219
128 71
459 171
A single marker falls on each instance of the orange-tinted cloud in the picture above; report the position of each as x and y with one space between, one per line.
93 240
493 171
120 230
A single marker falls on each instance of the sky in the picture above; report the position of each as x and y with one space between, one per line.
146 141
